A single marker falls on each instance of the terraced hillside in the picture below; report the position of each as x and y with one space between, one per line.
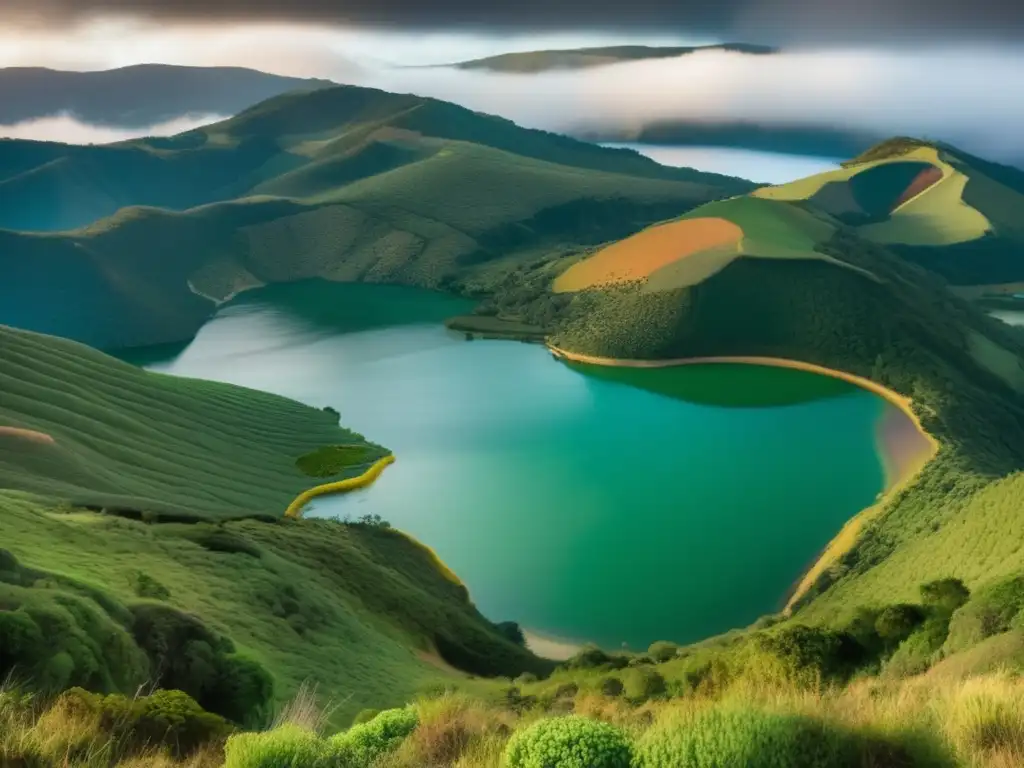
83 427
189 577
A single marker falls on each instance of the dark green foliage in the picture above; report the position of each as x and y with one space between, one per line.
332 460
895 623
611 686
56 633
662 651
144 585
185 655
817 652
643 684
569 742
920 650
512 632
593 657
744 738
170 719
216 539
945 595
990 611
365 716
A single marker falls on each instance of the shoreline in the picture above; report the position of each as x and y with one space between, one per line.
294 509
848 535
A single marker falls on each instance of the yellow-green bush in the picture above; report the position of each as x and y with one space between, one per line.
286 747
569 742
363 744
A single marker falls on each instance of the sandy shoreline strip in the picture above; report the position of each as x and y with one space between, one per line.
850 532
550 647
28 434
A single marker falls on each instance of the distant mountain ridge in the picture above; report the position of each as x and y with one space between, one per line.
138 96
531 62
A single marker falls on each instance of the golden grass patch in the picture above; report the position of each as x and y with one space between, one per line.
637 257
28 434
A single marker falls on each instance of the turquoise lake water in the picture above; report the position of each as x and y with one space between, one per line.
573 502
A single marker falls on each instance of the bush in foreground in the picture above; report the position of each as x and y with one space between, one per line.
569 742
362 745
742 739
282 747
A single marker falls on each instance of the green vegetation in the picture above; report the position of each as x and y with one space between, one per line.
338 183
334 460
569 742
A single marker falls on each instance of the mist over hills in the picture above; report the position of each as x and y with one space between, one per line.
137 96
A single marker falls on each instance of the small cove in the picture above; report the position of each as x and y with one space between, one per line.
588 504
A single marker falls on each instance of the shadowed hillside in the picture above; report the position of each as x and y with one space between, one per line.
333 135
137 96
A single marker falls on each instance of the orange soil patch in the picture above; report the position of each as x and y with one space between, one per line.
636 257
921 182
28 434
850 533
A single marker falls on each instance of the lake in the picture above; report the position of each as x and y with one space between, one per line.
761 167
588 504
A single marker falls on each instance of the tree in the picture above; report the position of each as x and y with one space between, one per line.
945 594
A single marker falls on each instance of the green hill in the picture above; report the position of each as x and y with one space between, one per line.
532 62
137 96
343 183
336 135
951 212
192 478
792 280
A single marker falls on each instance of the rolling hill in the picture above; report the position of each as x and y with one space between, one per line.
135 504
798 272
532 62
137 96
342 183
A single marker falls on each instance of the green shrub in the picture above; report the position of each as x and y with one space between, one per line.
188 656
512 631
809 653
569 742
170 719
593 657
361 745
945 594
526 678
286 747
365 716
895 623
989 612
742 739
611 686
144 585
919 651
662 651
642 684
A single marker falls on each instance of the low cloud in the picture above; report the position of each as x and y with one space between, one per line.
71 130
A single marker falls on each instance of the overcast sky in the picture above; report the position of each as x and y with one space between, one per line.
751 20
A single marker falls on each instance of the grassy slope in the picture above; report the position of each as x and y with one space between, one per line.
366 612
129 438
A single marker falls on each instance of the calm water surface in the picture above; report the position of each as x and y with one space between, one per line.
762 167
574 502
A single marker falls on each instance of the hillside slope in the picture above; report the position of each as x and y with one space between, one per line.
344 184
189 576
137 96
336 134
